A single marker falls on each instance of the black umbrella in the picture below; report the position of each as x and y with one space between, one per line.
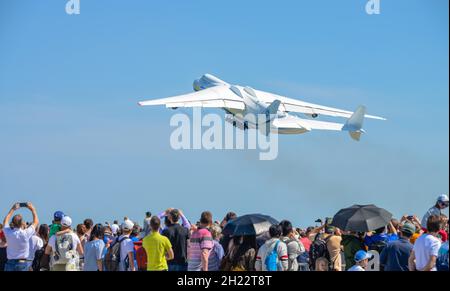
250 224
361 218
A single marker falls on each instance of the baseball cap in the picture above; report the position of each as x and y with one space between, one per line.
58 215
362 255
66 221
127 225
409 228
443 198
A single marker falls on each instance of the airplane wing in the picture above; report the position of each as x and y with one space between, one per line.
214 97
293 105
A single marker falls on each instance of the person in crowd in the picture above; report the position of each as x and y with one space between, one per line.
200 244
228 217
56 224
273 248
115 229
216 254
304 238
322 265
442 260
376 240
294 247
178 237
442 202
225 239
426 249
165 214
395 255
361 261
242 254
3 246
42 234
81 233
352 242
126 247
443 231
94 249
88 224
393 230
158 248
36 244
333 239
146 225
64 248
414 220
18 238
134 236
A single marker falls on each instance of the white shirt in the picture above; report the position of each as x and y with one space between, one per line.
18 240
36 243
432 211
126 246
356 268
75 239
425 247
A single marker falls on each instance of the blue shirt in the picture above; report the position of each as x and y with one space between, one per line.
395 255
373 239
93 251
442 260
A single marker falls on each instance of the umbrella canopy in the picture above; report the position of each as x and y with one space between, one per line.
250 224
361 218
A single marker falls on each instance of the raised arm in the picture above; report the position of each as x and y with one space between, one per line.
10 213
184 221
34 213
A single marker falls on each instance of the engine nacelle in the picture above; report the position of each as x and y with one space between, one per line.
207 81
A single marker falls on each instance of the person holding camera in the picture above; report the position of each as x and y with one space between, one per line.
18 238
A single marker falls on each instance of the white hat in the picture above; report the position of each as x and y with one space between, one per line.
114 228
66 221
127 225
443 198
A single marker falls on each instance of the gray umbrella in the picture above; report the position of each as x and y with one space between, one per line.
361 218
250 224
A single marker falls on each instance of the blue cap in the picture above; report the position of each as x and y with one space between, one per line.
58 215
362 255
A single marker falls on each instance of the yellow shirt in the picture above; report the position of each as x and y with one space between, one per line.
156 247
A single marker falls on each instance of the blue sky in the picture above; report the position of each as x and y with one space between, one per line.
72 137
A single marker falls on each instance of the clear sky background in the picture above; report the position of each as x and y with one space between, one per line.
72 137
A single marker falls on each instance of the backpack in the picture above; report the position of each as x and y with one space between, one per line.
112 257
36 264
318 249
64 251
378 246
271 260
141 256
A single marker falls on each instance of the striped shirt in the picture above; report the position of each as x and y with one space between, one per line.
200 239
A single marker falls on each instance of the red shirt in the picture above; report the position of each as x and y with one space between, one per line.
306 243
443 235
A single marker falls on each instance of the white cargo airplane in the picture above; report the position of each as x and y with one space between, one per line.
242 102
